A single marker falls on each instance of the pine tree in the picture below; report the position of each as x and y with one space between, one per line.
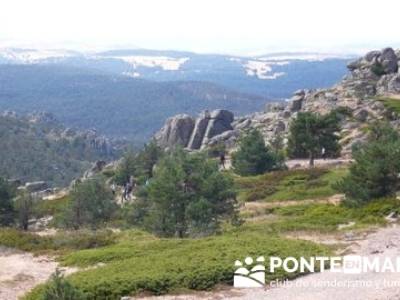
188 196
91 204
7 211
309 133
253 156
376 168
147 159
139 165
126 168
24 205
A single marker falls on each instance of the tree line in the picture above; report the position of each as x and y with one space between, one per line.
181 194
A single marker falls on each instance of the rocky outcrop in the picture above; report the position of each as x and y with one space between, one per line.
193 133
296 101
274 107
394 84
199 131
37 186
389 61
95 141
389 84
96 168
220 122
176 131
379 62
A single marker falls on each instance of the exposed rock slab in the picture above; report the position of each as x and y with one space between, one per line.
176 131
194 133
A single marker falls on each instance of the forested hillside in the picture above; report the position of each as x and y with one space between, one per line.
32 149
115 105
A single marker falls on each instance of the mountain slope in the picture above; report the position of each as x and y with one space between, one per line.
36 147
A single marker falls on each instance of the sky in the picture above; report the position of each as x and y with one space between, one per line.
205 26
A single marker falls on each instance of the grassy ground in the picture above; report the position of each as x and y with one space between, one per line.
289 185
328 217
141 262
62 242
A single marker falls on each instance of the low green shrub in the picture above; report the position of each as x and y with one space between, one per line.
83 239
25 241
60 289
378 69
289 185
62 242
379 208
321 217
162 265
327 217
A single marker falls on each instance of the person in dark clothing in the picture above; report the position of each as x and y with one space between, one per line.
222 160
126 192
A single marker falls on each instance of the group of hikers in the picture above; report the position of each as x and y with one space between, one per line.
127 189
131 183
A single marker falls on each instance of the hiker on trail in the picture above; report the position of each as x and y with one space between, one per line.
222 160
323 153
113 188
126 192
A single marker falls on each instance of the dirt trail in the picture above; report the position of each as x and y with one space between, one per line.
304 163
383 243
335 199
21 271
329 162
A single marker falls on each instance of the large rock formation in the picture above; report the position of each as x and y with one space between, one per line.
379 62
199 131
176 131
193 133
220 121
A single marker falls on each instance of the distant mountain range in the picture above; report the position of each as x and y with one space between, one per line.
131 92
274 75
